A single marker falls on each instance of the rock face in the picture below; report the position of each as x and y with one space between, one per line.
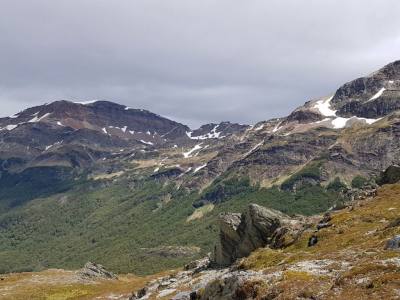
303 116
95 271
372 96
240 234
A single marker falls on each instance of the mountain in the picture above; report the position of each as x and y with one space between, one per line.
140 193
38 135
373 96
220 130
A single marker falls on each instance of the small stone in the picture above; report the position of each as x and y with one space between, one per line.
323 225
393 243
312 241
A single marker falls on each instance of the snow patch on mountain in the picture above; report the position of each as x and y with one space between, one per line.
147 143
36 119
123 129
199 168
324 107
277 127
213 134
9 127
253 149
377 95
55 144
14 116
87 102
340 122
189 153
259 127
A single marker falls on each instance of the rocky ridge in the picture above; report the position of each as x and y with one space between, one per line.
96 271
100 135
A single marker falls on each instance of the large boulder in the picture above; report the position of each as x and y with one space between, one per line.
390 175
240 234
237 285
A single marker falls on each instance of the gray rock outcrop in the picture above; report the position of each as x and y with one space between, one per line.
95 271
198 265
236 285
390 175
240 234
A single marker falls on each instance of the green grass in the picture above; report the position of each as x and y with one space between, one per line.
224 189
112 223
16 189
312 171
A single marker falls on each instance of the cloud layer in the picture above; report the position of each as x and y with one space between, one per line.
193 61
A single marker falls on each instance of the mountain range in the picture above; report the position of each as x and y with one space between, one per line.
140 193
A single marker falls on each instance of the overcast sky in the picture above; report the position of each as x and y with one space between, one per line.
196 61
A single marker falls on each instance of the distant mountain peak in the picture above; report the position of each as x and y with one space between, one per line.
216 131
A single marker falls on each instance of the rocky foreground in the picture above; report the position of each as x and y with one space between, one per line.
353 253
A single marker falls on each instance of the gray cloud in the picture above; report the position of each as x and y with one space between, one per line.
193 61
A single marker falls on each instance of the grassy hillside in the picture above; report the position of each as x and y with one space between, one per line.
63 285
348 262
130 225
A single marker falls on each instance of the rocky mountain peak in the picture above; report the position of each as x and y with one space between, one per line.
48 134
102 116
372 96
217 131
389 72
